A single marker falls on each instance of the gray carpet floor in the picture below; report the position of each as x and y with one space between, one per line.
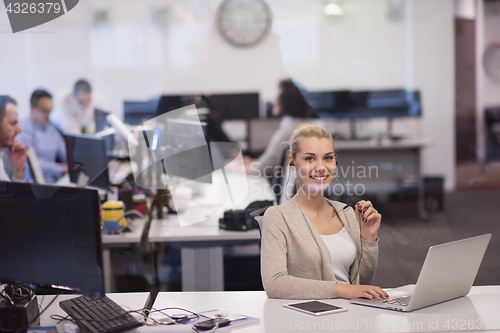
404 242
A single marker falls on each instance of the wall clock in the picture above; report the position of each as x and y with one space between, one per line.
244 23
491 61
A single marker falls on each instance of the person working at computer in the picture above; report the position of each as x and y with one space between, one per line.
293 109
44 138
312 247
9 146
75 114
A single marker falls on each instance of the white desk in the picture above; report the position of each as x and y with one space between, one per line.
479 308
118 240
202 243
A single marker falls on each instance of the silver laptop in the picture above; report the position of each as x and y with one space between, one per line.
448 273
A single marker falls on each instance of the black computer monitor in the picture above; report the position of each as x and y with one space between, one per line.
222 106
235 106
389 103
90 154
331 104
136 112
173 102
185 138
101 123
393 103
51 236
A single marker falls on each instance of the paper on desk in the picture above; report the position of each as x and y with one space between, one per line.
165 328
212 315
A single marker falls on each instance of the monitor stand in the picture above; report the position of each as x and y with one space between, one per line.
391 136
354 136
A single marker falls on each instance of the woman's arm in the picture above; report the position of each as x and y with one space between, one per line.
369 261
275 278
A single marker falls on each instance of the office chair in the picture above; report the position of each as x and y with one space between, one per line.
492 122
283 183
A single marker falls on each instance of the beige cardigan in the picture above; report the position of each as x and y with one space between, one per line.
295 261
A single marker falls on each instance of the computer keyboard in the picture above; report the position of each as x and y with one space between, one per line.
99 314
403 301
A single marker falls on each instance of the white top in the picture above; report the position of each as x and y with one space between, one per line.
343 252
3 175
72 118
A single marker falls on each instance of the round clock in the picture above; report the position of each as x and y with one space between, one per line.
491 61
244 23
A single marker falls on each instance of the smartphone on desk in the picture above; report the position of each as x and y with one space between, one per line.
209 324
315 308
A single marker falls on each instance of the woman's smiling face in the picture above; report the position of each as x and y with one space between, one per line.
315 164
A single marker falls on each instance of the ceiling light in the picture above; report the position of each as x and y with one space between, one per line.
333 9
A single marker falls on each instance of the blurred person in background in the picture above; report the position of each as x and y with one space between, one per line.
76 112
44 138
13 155
292 108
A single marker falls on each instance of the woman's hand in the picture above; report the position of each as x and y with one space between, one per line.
369 220
350 291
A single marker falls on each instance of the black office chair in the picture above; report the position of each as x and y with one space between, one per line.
492 120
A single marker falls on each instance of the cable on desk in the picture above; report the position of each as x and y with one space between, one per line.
60 318
13 292
144 312
156 321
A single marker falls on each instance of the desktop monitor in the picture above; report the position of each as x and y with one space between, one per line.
101 123
386 103
136 112
366 104
90 154
51 237
173 102
235 106
330 104
223 106
100 120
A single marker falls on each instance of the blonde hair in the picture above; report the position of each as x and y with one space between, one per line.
306 131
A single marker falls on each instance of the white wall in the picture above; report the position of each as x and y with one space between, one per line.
135 57
434 72
491 92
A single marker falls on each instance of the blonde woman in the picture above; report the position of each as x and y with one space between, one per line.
312 248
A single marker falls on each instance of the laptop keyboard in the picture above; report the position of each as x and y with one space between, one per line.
99 315
402 301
